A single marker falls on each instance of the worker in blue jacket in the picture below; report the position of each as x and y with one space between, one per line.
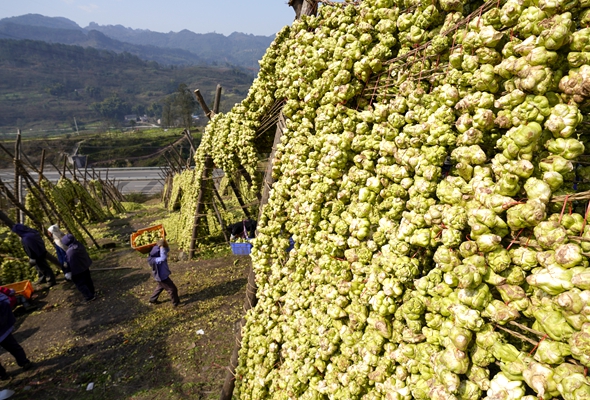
7 341
79 262
158 260
35 248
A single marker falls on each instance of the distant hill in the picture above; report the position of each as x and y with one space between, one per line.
173 48
48 84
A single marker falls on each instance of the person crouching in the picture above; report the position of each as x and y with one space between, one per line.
158 260
79 262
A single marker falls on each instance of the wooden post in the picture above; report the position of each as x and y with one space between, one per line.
40 199
179 156
268 181
304 7
48 202
239 197
204 106
85 170
189 137
18 190
63 173
79 223
218 197
20 206
41 166
199 207
10 223
217 100
219 218
6 219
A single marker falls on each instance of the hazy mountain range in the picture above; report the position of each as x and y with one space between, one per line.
173 48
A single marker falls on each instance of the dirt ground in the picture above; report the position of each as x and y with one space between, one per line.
126 347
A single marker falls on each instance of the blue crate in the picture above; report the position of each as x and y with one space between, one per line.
241 249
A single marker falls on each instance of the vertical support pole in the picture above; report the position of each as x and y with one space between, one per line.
85 170
41 166
63 171
18 183
199 207
268 181
219 219
189 136
239 197
217 99
203 105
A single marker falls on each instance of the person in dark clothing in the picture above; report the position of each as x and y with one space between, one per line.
79 262
158 260
243 229
35 248
60 249
7 341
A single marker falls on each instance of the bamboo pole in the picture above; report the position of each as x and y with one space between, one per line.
268 180
203 105
41 166
10 223
179 156
217 99
17 181
189 136
236 190
79 223
37 186
85 169
219 218
218 196
39 198
199 207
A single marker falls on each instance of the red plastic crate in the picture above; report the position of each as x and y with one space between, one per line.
147 247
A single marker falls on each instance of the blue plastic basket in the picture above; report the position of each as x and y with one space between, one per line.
291 244
241 249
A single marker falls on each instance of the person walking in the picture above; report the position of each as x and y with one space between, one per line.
7 341
60 249
35 248
158 260
79 262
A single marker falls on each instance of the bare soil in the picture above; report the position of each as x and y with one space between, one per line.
126 347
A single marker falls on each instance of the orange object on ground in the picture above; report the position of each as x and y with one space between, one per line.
23 288
147 247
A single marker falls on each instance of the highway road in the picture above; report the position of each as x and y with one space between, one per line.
128 180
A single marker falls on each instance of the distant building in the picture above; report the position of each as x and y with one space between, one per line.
131 117
78 160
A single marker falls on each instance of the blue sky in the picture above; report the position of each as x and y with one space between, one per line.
260 17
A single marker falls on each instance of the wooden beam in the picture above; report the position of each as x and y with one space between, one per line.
6 220
48 202
204 105
41 166
199 207
239 197
219 219
18 190
217 100
268 180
